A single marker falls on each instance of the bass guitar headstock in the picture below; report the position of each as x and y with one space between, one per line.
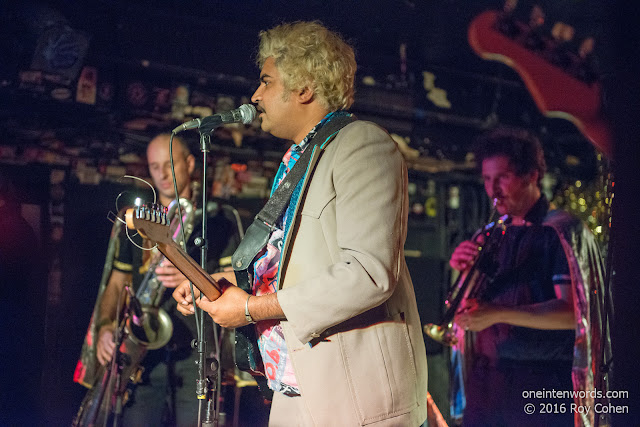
562 80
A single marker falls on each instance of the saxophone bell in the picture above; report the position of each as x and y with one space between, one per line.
153 330
147 325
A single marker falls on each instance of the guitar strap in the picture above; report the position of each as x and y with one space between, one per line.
247 353
257 235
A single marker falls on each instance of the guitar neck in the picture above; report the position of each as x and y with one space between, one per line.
191 269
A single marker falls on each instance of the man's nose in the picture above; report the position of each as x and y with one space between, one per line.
493 186
256 95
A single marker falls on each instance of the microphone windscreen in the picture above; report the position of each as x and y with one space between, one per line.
248 113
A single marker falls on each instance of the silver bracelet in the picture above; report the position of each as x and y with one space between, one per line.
247 315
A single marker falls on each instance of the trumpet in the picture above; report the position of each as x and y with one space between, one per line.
470 284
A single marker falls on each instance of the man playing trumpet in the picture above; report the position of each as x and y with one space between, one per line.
531 326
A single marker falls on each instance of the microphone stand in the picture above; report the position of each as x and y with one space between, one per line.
118 361
205 385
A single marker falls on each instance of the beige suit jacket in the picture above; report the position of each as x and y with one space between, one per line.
342 258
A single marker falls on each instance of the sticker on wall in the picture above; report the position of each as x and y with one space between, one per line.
60 50
87 86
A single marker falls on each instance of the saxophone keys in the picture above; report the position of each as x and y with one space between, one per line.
136 375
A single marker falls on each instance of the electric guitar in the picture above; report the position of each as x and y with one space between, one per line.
152 224
563 84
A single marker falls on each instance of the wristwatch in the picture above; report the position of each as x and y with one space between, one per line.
247 315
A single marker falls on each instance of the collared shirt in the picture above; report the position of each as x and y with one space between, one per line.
273 349
531 263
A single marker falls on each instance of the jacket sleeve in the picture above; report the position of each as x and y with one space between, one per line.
363 225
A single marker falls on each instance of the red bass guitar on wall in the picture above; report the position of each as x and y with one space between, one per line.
562 84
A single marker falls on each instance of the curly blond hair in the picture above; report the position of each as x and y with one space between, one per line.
309 55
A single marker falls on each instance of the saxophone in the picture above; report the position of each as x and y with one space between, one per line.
151 331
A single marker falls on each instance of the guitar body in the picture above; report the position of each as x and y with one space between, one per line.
556 92
247 353
248 359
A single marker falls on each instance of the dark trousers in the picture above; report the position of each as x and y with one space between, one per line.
167 394
501 395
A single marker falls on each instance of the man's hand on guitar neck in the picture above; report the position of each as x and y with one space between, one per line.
182 293
228 310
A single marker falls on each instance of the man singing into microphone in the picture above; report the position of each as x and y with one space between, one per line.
330 293
170 373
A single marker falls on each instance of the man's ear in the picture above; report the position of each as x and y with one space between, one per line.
305 95
191 163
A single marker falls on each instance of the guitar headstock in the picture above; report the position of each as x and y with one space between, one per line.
150 221
562 81
554 46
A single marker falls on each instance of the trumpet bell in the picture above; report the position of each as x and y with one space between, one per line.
444 334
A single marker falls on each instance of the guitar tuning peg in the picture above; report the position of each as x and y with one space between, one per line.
559 53
587 69
562 32
537 17
534 40
556 31
510 6
506 24
586 47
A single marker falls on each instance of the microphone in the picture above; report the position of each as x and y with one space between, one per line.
243 114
